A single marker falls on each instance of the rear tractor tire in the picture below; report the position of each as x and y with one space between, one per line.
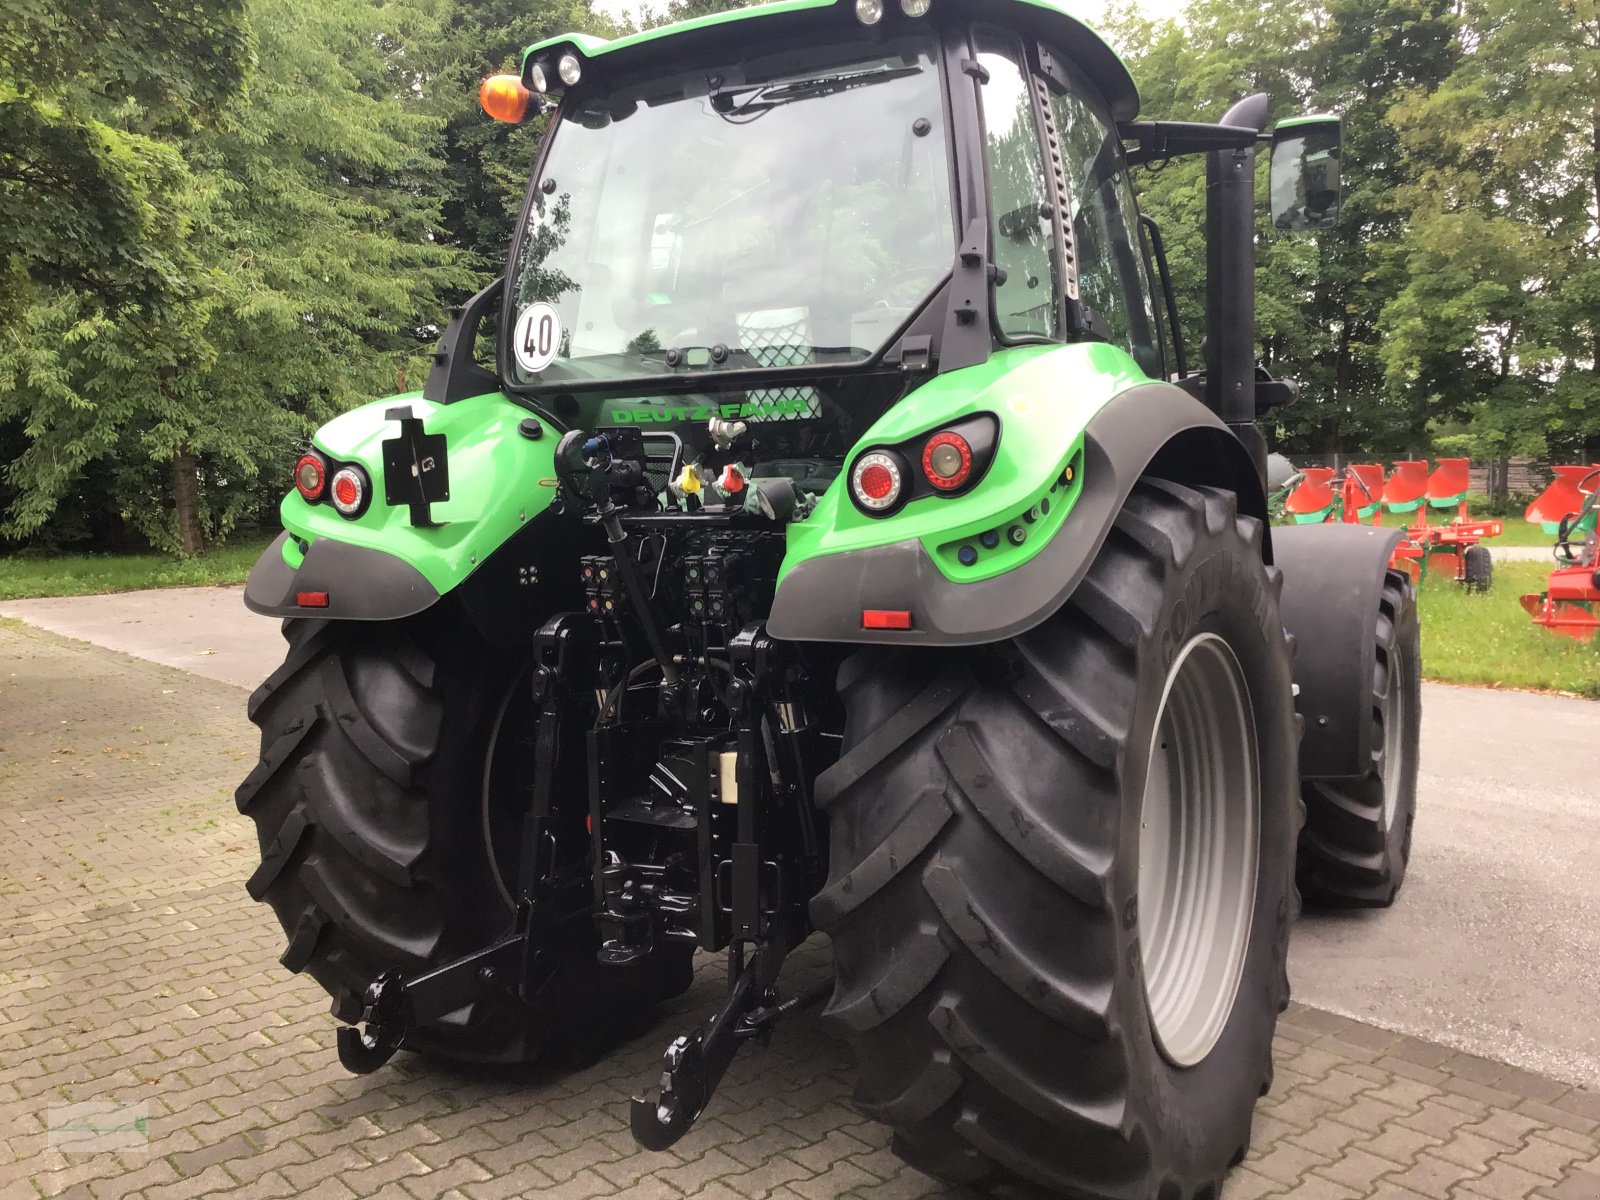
1357 839
386 800
1062 872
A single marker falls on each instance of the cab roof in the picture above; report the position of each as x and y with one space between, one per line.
1050 20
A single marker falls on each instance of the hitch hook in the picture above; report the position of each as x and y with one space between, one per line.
695 1062
363 1051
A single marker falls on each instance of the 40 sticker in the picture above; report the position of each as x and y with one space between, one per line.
537 337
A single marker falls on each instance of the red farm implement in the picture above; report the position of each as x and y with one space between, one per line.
1327 494
1570 603
1453 546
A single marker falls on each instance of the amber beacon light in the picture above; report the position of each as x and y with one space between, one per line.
504 98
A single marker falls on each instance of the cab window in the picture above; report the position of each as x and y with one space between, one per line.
1112 276
1025 288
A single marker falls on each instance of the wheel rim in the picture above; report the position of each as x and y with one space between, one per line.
1199 842
1394 724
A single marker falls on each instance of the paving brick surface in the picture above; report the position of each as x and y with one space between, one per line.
133 968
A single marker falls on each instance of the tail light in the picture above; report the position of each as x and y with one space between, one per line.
947 460
952 461
877 481
349 491
310 475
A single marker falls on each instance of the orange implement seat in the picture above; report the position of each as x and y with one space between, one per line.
1406 487
1447 486
1562 497
1313 497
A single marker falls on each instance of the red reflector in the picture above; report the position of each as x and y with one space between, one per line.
311 599
883 618
346 491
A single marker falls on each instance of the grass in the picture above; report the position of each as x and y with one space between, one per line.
1487 640
24 576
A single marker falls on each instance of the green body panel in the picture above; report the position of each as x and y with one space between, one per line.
593 47
1044 397
1308 119
499 480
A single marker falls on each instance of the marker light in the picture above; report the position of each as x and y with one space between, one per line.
915 8
884 618
947 460
310 475
504 98
869 12
876 481
570 69
349 491
537 77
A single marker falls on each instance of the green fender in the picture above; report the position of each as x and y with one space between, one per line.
1086 405
379 566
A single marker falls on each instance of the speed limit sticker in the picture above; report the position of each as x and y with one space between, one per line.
537 337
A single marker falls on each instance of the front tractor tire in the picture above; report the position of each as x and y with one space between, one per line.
1062 872
1357 839
387 803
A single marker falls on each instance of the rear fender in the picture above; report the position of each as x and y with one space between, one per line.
1142 428
1332 581
380 566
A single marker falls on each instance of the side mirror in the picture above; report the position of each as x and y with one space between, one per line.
1305 173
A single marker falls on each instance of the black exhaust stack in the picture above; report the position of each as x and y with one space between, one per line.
1231 281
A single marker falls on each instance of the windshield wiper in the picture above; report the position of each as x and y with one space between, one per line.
763 97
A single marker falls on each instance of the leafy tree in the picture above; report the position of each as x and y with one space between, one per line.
1499 318
88 95
1318 297
486 164
306 224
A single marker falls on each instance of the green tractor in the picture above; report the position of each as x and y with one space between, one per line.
819 529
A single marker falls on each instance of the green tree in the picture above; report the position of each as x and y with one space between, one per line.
311 275
1318 297
487 163
1499 319
89 95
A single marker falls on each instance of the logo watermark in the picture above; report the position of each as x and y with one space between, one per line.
94 1126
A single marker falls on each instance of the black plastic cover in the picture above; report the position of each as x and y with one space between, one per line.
361 584
1332 581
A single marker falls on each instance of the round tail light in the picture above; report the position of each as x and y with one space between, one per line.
876 481
947 461
310 476
349 491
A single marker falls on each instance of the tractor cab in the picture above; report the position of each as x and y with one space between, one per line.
797 217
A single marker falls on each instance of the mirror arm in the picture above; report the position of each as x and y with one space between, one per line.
1172 139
